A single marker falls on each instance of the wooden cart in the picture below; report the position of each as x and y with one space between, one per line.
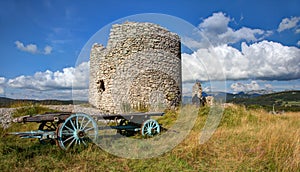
68 129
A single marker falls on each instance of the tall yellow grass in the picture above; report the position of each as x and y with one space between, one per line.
245 140
259 142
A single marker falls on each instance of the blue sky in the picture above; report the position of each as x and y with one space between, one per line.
257 42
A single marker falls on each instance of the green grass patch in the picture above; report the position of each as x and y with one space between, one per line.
31 110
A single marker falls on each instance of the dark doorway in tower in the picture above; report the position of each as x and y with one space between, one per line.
101 87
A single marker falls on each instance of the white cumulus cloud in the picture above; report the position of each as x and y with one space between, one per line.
2 80
241 87
214 56
47 50
2 83
215 24
216 29
32 48
288 23
68 78
263 60
271 60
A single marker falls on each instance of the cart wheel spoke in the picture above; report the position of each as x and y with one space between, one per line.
69 129
82 121
84 142
77 126
77 130
88 129
150 124
86 124
72 124
71 143
68 139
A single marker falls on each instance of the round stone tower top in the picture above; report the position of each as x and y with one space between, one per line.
148 34
132 29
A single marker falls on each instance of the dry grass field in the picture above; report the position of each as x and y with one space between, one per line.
245 140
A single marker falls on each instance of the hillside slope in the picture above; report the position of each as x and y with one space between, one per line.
287 101
7 102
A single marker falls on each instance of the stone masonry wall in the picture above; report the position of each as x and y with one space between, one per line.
141 65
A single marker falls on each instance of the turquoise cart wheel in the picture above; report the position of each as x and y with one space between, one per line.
150 128
78 129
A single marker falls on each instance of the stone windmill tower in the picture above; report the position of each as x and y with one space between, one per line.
141 65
